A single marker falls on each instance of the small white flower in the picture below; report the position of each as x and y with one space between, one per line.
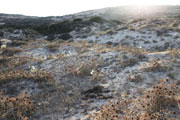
92 72
39 104
33 69
3 46
176 34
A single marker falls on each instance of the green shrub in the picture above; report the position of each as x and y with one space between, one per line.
97 19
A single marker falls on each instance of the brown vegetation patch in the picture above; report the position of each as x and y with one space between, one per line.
8 63
156 103
10 51
16 108
156 66
39 76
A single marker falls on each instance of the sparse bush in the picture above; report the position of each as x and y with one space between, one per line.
134 51
16 108
156 65
53 46
60 27
131 28
8 63
83 69
65 36
128 62
39 76
156 103
16 43
109 31
135 77
175 53
10 51
97 19
77 20
97 75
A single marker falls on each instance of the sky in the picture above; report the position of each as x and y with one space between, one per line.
64 7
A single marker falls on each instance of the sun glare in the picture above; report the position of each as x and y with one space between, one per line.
63 7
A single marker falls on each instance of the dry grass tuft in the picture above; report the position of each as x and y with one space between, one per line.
16 108
175 53
129 49
83 69
8 63
10 51
128 63
109 31
39 76
156 66
156 103
53 46
135 77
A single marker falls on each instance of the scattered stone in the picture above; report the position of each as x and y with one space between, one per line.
65 36
166 45
109 43
155 41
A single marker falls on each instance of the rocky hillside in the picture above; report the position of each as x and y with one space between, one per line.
109 64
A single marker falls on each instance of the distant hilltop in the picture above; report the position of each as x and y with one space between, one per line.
15 26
